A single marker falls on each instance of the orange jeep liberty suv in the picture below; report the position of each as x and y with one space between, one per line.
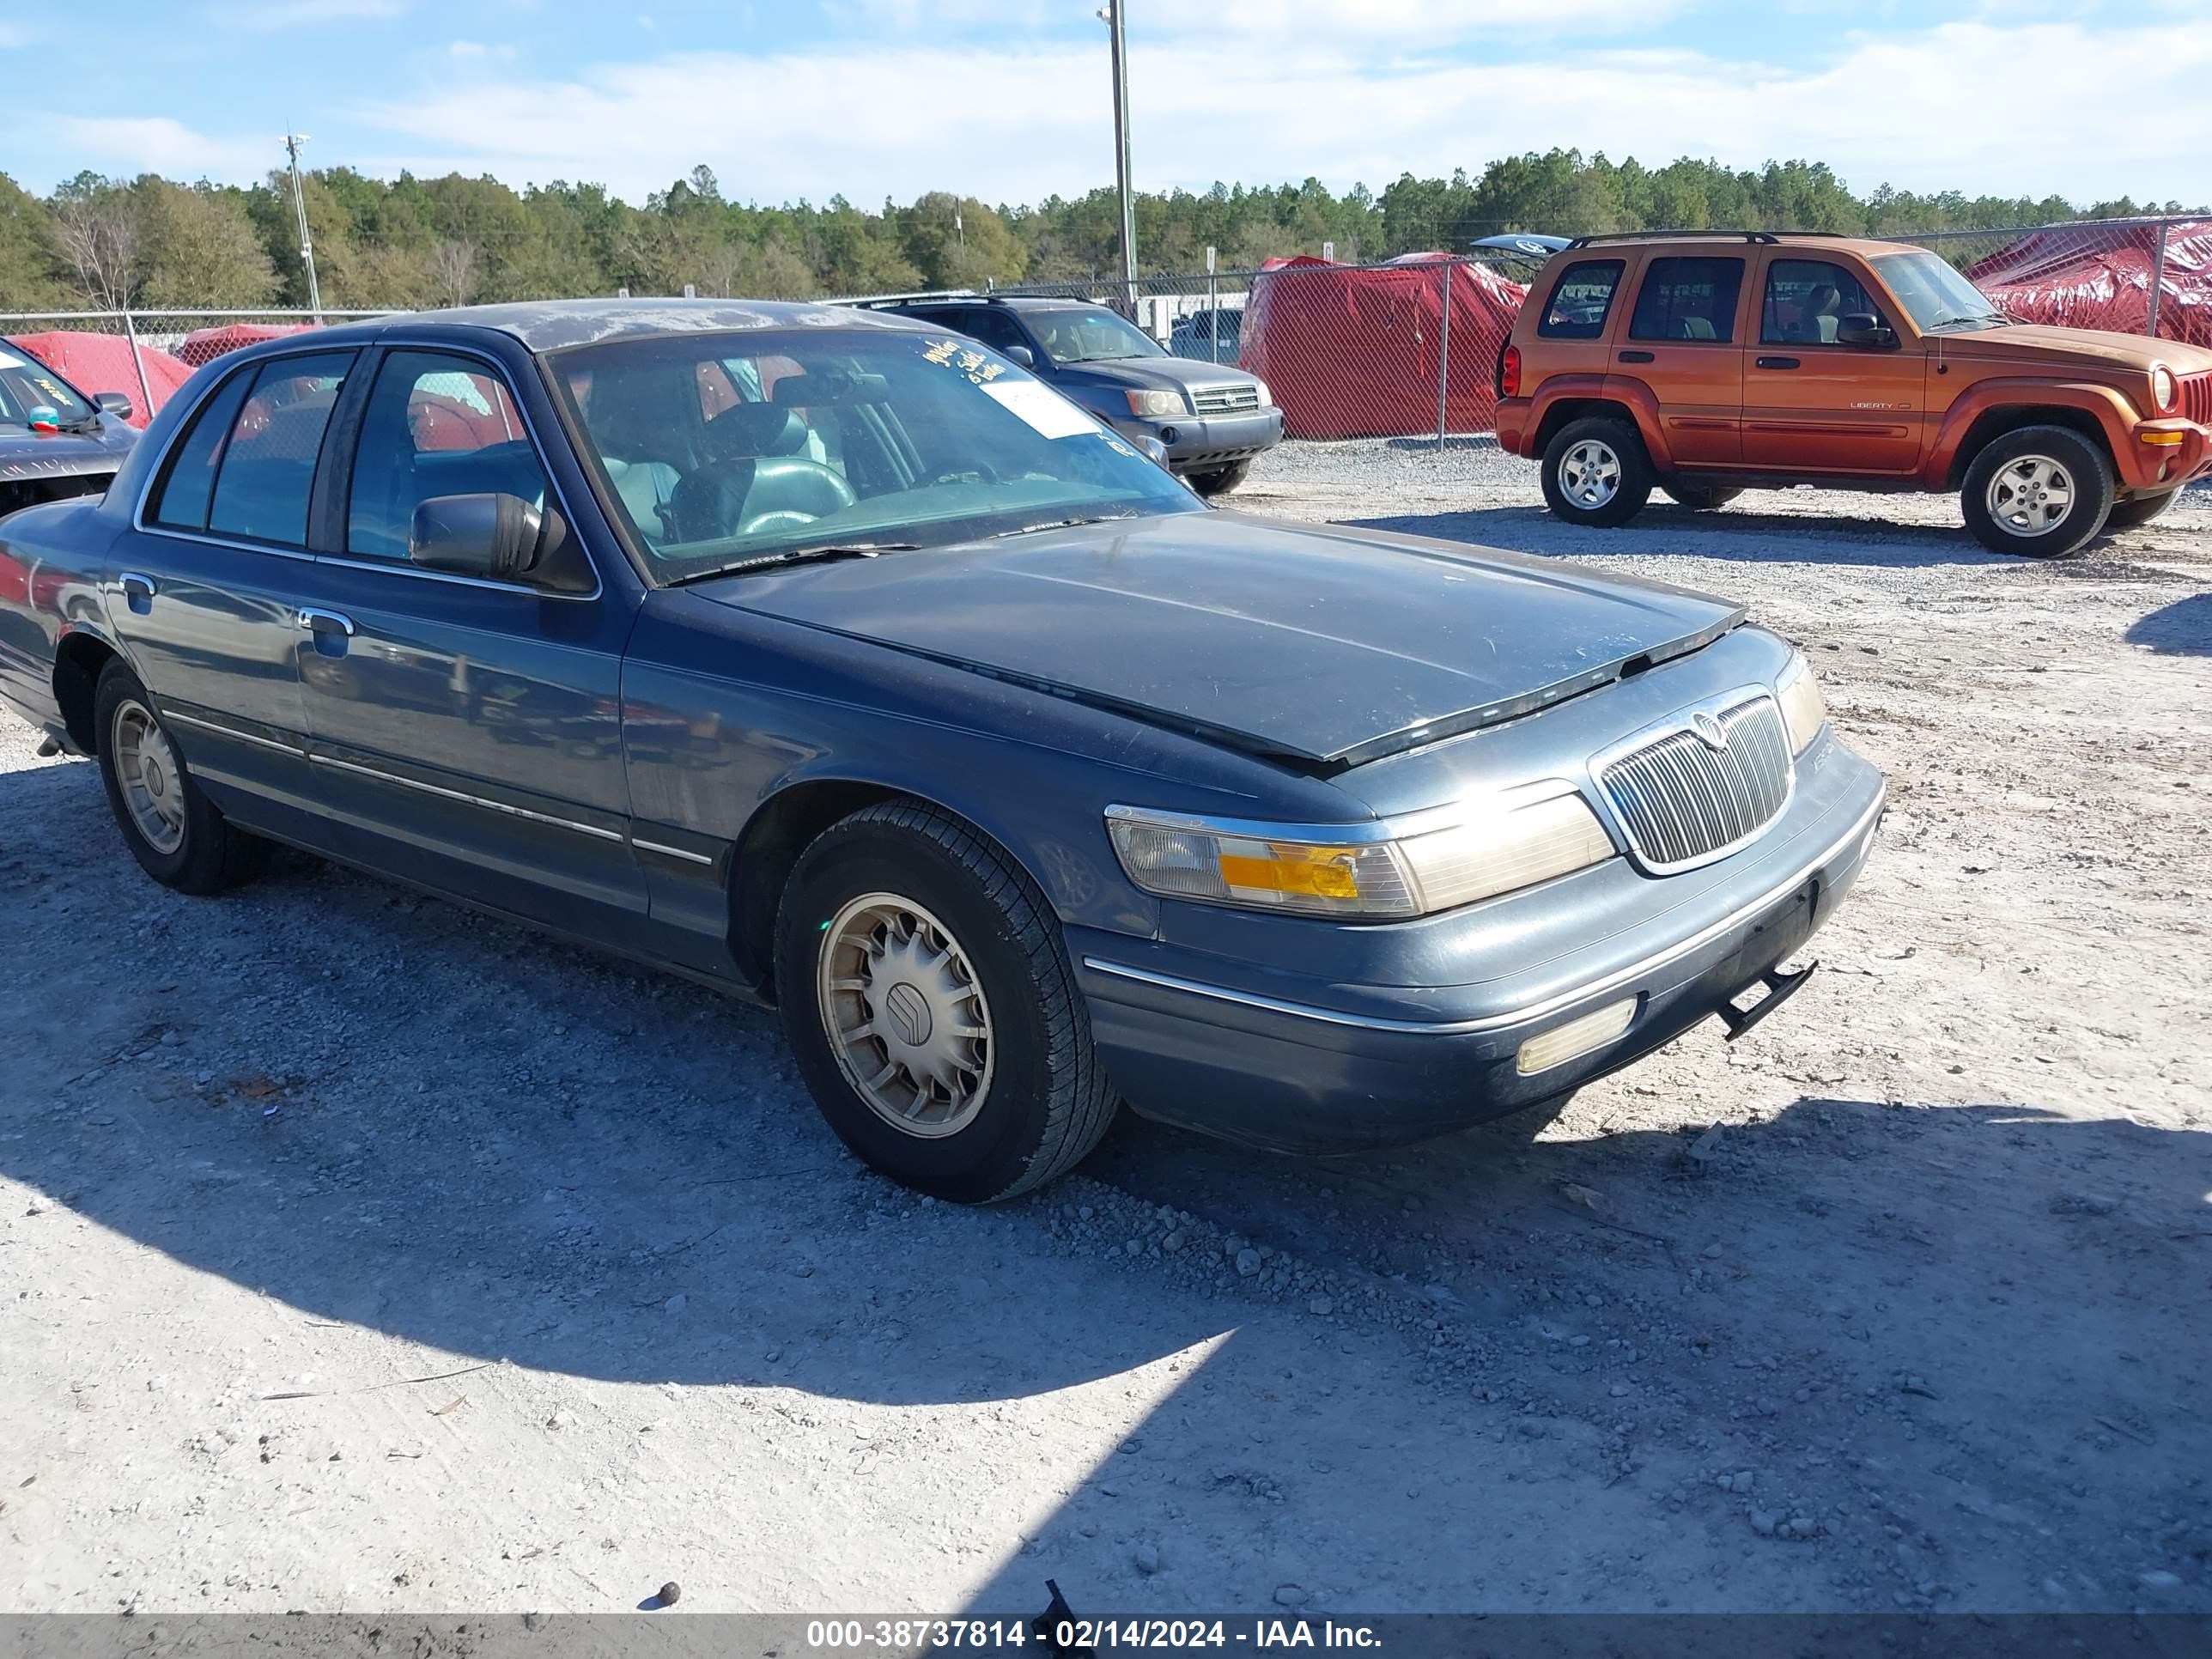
1710 362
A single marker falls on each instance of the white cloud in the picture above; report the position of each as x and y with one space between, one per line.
2123 113
307 14
471 51
133 145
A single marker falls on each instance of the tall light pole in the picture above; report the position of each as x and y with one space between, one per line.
291 142
1110 14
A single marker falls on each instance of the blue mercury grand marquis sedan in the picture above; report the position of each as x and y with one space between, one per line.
837 662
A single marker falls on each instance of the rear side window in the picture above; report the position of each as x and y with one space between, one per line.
267 471
181 503
436 425
1806 300
1687 300
1581 301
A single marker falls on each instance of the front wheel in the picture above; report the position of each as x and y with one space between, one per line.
2139 509
933 1010
1595 473
1220 480
178 836
2044 491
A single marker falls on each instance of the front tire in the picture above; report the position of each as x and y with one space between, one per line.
2044 491
1595 473
932 1009
1220 480
2140 509
178 836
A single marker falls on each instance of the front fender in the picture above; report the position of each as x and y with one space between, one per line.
2114 415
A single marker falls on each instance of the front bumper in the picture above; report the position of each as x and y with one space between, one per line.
2165 455
1313 1071
1199 443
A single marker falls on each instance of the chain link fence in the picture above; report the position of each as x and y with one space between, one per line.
2151 276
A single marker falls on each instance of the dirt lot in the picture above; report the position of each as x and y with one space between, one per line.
356 1254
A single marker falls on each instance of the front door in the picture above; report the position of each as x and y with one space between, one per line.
1813 404
212 577
466 732
1684 343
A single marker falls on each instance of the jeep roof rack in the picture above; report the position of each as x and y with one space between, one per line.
1653 235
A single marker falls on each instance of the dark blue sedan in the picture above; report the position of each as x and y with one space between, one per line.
839 663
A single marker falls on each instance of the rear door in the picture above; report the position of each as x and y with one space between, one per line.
213 569
465 731
1685 342
1814 405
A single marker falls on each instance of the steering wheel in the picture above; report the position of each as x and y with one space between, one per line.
977 469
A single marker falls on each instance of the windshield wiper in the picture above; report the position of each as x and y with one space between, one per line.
1998 317
795 556
1062 524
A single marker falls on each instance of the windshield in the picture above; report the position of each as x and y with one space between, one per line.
1933 292
29 391
1088 334
737 448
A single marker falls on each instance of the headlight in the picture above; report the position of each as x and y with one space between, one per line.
1153 405
1514 842
1804 710
2164 393
1267 397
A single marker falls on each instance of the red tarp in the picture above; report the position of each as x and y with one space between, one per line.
1351 351
94 363
2099 276
204 345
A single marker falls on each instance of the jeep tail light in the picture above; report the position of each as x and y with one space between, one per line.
1509 372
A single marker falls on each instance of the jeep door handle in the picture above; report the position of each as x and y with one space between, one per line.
321 620
1637 356
1778 362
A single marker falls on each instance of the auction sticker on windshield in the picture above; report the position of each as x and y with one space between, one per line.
1042 408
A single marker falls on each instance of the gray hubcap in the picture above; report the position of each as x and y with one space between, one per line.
153 783
1589 473
905 1015
2028 496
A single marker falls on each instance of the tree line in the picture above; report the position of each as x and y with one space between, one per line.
109 244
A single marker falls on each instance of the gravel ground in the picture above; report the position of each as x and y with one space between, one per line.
359 1254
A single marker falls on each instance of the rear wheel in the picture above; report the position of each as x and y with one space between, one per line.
1698 498
2140 509
932 1008
2044 491
178 836
1595 473
1220 480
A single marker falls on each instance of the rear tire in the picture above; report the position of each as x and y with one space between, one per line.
2044 491
2140 509
1220 480
932 1009
1698 498
178 836
1595 473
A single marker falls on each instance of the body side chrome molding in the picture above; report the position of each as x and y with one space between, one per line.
644 846
221 730
1595 987
500 806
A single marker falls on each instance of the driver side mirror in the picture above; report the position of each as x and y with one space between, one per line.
113 403
496 537
1020 354
1863 328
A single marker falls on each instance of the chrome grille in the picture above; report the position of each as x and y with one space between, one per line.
1225 400
2197 397
1682 800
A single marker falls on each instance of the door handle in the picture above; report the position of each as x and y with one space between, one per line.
1776 362
138 592
321 620
1637 356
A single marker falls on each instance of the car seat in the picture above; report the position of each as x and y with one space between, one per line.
751 495
1824 313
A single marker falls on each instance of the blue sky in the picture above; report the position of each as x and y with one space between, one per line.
1007 99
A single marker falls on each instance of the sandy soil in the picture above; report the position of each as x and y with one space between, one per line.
358 1255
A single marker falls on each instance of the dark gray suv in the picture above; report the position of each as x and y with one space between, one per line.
1212 418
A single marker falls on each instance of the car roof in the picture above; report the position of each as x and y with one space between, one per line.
544 325
1824 240
1010 302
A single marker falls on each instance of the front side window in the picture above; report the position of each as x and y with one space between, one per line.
435 425
1687 300
866 434
266 473
994 328
1806 300
1581 301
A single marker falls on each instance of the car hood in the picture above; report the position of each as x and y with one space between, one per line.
2083 347
1158 373
1318 646
26 454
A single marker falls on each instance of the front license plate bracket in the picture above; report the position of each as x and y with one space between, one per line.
1781 984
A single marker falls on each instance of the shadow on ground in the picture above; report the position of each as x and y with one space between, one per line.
2183 628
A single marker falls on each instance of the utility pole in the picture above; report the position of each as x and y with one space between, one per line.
1110 14
291 142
